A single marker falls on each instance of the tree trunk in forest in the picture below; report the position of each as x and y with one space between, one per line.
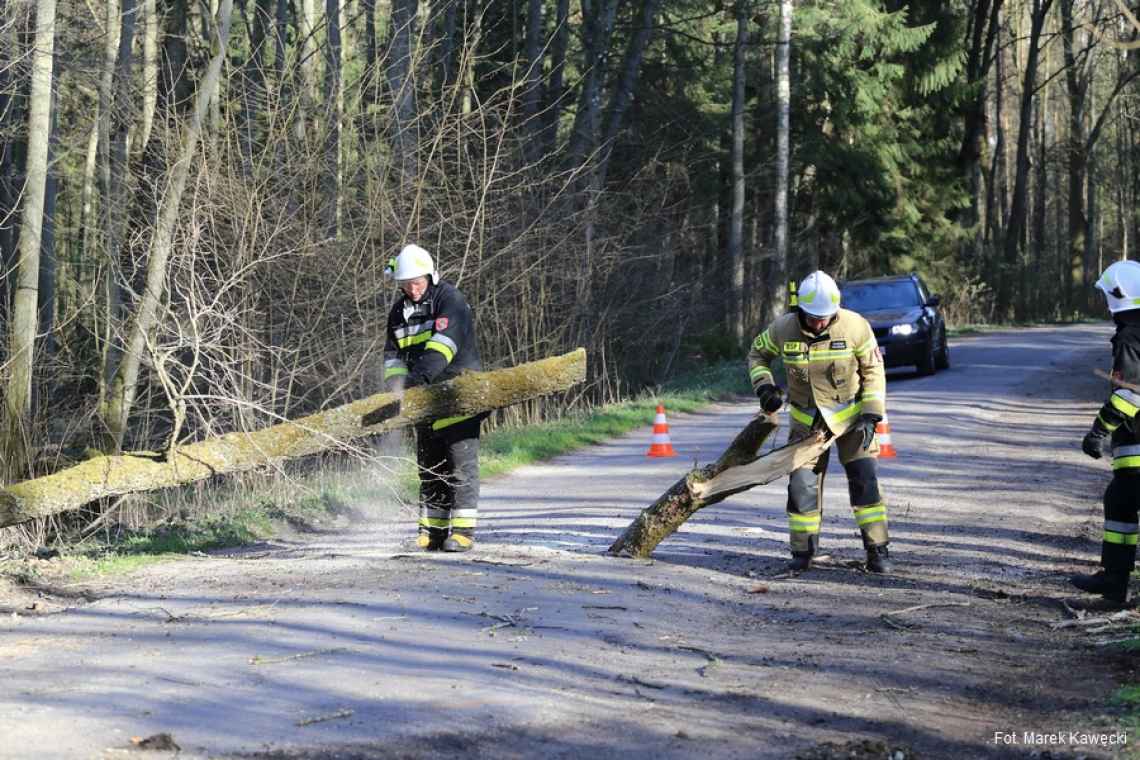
48 268
25 308
175 82
308 60
626 86
334 148
662 518
370 81
532 95
251 80
555 89
115 406
402 86
597 30
998 184
448 73
1039 263
115 189
783 142
468 54
150 73
12 136
1015 230
280 35
1076 83
736 219
87 222
979 57
470 393
1093 262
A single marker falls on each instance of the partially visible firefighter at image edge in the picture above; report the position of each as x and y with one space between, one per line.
430 339
837 385
1116 426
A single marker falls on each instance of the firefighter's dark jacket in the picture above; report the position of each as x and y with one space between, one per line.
433 340
1118 415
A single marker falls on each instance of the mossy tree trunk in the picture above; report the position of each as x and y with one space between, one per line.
104 476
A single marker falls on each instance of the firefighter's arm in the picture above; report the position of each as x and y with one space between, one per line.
1123 404
872 375
443 345
395 370
760 357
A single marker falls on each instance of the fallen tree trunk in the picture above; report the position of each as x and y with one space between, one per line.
675 506
773 465
737 469
470 393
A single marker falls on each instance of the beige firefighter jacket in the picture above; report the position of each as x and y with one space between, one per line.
839 372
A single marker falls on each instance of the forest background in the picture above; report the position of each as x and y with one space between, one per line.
197 199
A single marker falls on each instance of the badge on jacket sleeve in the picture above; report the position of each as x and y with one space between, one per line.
441 323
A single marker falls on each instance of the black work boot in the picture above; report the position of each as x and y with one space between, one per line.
878 559
431 539
799 563
1114 588
460 540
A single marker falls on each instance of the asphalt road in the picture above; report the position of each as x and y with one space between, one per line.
350 644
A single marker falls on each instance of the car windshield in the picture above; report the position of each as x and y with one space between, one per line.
878 296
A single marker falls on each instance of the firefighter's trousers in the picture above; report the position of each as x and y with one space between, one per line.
448 461
805 492
1121 505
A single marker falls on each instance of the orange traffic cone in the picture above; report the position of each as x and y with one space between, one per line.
661 446
883 432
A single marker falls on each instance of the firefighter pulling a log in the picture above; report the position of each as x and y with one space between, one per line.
837 386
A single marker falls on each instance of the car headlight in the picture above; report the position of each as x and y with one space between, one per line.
903 329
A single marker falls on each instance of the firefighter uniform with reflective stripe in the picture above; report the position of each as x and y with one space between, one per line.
1118 417
833 377
427 342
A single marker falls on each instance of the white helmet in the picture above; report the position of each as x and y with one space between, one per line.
412 262
1121 286
819 295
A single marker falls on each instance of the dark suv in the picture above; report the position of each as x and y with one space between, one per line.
905 316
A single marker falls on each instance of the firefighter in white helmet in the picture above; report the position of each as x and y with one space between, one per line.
836 384
431 338
1116 427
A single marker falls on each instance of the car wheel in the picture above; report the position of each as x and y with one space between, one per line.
942 359
926 365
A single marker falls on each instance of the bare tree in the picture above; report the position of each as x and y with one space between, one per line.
1015 230
13 145
626 86
783 142
532 88
116 404
150 72
736 221
402 85
555 89
984 26
25 309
